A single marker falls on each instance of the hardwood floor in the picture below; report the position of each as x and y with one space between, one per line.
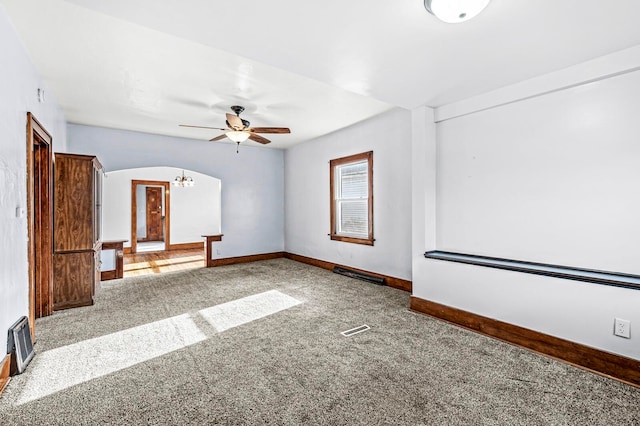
162 261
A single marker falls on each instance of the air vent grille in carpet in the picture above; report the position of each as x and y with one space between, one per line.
356 330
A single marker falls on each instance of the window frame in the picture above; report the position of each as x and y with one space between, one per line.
333 164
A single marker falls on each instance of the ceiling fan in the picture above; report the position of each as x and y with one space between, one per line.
239 130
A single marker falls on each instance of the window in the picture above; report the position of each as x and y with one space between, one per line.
352 198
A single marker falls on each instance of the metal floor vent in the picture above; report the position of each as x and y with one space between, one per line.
356 330
358 275
19 342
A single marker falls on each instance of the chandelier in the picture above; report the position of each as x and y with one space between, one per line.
183 181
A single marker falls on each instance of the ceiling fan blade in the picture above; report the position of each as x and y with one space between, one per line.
270 130
201 127
259 139
235 122
218 138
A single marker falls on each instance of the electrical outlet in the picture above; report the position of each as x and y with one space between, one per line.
622 328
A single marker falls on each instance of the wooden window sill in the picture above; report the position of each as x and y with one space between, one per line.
354 240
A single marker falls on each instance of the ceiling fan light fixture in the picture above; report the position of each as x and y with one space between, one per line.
238 136
455 11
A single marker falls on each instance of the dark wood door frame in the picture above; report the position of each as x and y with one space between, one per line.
134 211
39 220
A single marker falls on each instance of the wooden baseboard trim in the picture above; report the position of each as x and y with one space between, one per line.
618 367
5 372
186 246
108 275
73 304
390 281
243 259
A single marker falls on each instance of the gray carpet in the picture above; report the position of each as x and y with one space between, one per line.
293 366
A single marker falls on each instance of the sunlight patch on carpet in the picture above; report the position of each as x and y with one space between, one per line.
237 312
60 368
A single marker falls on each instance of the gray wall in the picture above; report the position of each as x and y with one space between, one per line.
19 83
252 181
388 135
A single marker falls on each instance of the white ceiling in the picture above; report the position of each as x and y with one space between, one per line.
149 65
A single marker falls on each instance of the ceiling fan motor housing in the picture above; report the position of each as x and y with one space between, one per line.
245 123
237 109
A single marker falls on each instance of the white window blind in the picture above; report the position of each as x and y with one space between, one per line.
352 195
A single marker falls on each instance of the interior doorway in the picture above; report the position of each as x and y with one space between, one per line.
150 215
39 221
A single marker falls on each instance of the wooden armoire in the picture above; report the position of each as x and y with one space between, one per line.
76 229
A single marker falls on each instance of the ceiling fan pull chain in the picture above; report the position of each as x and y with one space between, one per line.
237 147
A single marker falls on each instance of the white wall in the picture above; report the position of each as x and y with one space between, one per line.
423 192
19 82
195 211
252 197
550 178
307 195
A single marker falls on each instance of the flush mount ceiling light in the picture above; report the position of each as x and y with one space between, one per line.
455 11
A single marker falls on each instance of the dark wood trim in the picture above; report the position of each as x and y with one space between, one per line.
5 372
353 240
73 304
126 250
134 211
245 259
118 272
113 244
617 279
368 156
208 249
618 367
108 275
185 246
82 157
95 248
39 177
394 282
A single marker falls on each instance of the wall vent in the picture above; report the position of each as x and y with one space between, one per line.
359 275
19 344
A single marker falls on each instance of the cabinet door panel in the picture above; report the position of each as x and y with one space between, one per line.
74 204
74 275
